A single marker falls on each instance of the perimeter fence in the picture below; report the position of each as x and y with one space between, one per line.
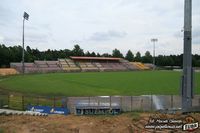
126 103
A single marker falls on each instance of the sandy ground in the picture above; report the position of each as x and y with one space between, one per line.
124 123
8 71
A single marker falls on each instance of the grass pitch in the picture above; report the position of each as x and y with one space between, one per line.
98 83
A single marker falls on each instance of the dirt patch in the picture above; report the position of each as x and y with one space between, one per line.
124 123
8 71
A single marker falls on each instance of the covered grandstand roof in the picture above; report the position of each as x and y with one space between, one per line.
94 58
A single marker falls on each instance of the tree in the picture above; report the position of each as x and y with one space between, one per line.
98 55
29 57
67 53
106 55
37 54
129 56
14 54
87 54
77 51
93 54
138 57
164 60
4 56
147 58
117 53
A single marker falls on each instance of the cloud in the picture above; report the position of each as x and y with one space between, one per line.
5 15
196 36
37 38
30 38
97 25
1 38
105 36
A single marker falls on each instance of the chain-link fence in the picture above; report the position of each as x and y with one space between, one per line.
126 103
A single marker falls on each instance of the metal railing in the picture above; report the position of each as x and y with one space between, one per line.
126 103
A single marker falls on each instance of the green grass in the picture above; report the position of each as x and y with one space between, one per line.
93 84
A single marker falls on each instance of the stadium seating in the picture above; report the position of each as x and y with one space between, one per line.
113 66
98 66
87 66
128 65
68 65
84 64
63 64
151 66
28 67
42 66
54 66
140 66
16 66
106 66
48 66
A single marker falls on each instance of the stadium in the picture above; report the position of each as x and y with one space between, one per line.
92 86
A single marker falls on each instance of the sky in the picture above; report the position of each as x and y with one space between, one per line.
99 25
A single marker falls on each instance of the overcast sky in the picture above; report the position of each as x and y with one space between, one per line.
99 25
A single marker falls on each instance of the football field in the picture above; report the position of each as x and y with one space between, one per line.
97 83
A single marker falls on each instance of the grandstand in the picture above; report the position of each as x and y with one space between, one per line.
42 66
53 66
141 66
102 64
80 64
30 68
68 65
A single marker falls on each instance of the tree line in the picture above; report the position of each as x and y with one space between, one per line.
14 54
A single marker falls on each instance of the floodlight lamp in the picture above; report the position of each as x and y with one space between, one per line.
154 40
26 16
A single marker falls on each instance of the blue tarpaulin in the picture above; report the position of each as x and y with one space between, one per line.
48 109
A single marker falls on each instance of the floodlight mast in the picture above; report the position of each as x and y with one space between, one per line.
154 40
25 16
187 77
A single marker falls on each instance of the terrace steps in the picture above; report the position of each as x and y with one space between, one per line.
140 65
77 65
